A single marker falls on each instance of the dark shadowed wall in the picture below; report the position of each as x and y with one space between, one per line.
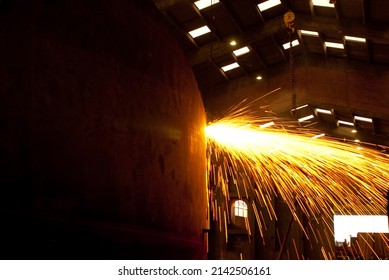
102 147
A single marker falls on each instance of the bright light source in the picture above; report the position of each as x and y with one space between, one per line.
310 33
241 51
354 131
259 78
357 141
363 119
230 66
199 31
334 45
355 39
233 43
349 226
318 136
306 118
266 124
287 45
268 4
300 107
202 4
345 123
324 111
323 3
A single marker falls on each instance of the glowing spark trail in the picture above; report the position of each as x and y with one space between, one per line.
318 176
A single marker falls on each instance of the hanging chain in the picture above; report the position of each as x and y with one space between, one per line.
292 74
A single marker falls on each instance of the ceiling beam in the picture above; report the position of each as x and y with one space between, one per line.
163 5
257 55
232 14
369 55
221 72
320 24
338 11
332 63
251 35
243 67
279 48
172 22
322 41
287 4
259 11
311 8
208 22
349 27
346 50
301 41
364 12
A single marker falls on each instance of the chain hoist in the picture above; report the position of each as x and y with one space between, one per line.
289 22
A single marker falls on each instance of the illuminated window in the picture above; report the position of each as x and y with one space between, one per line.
202 4
241 51
318 136
324 111
300 107
230 66
310 33
334 45
306 118
266 124
363 119
287 45
199 31
355 39
323 3
345 123
240 208
268 4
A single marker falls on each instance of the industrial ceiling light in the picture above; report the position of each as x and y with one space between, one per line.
334 45
230 66
241 51
345 123
324 111
266 124
233 43
287 45
323 3
309 33
306 118
268 4
202 4
300 107
354 131
355 39
363 119
199 31
259 77
318 136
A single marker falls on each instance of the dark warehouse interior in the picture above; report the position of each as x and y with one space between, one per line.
104 104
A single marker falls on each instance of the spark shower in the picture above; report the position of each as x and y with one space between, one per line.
316 176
